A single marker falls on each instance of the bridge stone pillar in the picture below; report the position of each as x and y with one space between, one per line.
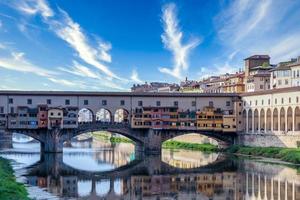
52 141
153 142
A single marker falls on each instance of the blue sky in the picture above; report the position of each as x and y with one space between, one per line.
109 45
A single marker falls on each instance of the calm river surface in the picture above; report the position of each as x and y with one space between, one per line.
97 169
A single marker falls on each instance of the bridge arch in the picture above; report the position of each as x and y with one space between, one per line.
103 115
85 115
121 115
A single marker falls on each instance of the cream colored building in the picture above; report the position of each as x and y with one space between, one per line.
272 117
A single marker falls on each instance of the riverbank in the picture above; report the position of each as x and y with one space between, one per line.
108 137
190 146
291 155
9 187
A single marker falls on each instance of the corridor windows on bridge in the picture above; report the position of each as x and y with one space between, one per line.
121 115
122 102
211 104
140 103
67 102
10 100
86 102
269 101
85 115
29 101
103 115
48 101
104 102
157 103
193 103
227 103
175 103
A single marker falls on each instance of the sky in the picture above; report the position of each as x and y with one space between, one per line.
109 45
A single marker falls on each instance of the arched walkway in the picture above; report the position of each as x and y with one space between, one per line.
244 120
297 118
262 120
282 119
121 115
85 115
103 115
256 120
275 119
290 119
250 120
269 120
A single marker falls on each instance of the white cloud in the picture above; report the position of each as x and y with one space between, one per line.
17 62
135 77
80 70
172 39
71 32
32 7
216 70
260 27
63 82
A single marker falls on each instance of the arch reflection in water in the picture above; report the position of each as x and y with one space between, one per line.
187 159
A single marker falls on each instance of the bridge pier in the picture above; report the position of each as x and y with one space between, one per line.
153 142
51 141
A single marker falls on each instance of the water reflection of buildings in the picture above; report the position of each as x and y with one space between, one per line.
243 184
187 159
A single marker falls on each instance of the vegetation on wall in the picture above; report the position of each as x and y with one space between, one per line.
190 146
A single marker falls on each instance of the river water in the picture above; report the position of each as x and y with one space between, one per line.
96 169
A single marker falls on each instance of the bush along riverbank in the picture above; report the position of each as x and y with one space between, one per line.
291 155
10 189
189 146
108 137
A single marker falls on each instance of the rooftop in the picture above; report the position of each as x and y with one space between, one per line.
258 57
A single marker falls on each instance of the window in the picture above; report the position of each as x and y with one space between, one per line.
297 99
256 102
193 103
227 103
140 103
290 100
286 81
51 114
211 104
261 87
12 110
67 102
175 103
29 101
104 102
59 114
48 101
282 101
157 103
10 100
262 102
86 102
275 101
269 102
122 102
1 109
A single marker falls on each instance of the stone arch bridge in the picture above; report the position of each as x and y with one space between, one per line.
146 140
